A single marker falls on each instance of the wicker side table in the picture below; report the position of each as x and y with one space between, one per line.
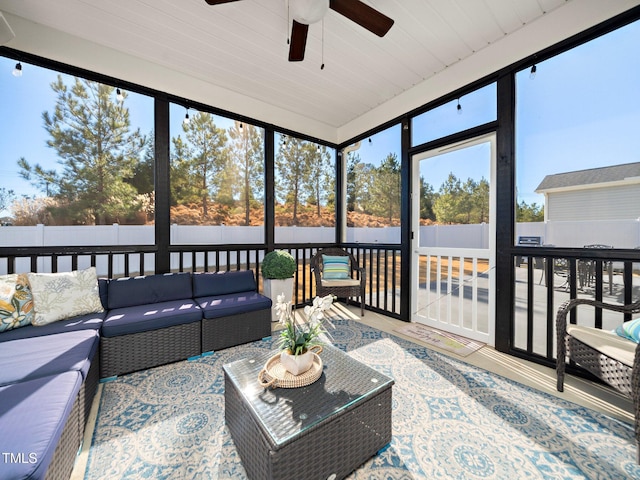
324 430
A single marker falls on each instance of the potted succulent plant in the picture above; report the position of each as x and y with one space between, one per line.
278 268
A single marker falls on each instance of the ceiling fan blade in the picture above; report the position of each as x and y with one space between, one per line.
363 15
298 41
219 2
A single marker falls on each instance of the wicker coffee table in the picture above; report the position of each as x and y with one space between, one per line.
322 431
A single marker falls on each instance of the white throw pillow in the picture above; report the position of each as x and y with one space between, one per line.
57 296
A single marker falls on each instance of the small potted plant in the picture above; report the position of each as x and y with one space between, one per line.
300 341
278 268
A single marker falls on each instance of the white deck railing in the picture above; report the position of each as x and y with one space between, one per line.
453 291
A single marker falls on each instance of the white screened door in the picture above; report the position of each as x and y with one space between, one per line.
454 258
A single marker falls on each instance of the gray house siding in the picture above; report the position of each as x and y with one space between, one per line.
609 203
606 193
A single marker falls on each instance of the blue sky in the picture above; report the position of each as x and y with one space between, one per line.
582 110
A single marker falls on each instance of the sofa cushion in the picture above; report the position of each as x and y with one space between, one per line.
143 318
222 283
57 296
16 301
233 303
32 417
103 290
30 358
92 321
131 291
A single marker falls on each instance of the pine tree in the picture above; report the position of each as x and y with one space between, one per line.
386 190
427 198
91 135
480 200
320 178
198 162
529 213
446 206
246 150
292 166
359 187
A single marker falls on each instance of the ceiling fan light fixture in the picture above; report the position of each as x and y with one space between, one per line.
308 11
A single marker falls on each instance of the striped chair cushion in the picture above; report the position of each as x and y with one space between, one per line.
335 267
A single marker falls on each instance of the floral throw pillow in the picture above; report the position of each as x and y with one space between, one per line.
57 296
16 301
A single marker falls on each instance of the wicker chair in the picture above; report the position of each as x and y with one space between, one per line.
342 288
611 358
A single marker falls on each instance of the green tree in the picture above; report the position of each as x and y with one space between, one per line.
198 162
446 206
385 199
462 203
480 201
427 198
246 151
182 191
143 171
359 180
320 179
91 134
465 202
529 213
292 167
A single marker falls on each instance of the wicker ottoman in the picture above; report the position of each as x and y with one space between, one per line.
321 431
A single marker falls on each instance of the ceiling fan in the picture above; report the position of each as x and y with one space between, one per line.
306 12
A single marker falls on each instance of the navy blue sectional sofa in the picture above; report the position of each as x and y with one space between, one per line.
49 374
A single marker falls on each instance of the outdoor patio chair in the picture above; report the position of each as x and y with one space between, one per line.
337 272
591 265
612 358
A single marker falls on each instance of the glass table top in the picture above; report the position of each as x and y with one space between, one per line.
284 413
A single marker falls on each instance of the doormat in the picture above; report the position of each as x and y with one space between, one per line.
447 341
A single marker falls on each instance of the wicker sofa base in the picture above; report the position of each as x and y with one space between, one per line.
65 453
139 351
224 332
331 449
88 393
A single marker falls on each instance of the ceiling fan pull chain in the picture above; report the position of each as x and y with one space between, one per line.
288 22
322 66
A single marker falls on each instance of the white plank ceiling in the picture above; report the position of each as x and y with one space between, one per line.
242 48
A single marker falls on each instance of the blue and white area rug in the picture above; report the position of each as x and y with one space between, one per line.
451 420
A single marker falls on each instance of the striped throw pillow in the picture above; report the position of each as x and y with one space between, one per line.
630 330
335 267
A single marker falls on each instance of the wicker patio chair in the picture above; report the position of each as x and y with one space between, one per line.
613 359
352 286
